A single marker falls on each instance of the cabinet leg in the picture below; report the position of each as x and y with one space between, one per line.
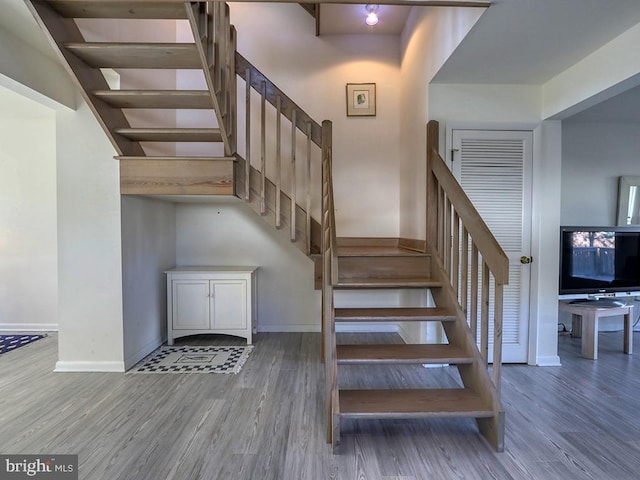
628 333
576 325
590 335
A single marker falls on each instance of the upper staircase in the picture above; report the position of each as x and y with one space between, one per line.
460 263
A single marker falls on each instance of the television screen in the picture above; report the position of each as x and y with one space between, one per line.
599 260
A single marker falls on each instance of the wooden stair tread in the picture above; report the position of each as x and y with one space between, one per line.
118 9
400 314
418 403
402 353
137 55
387 283
169 158
169 99
377 251
171 134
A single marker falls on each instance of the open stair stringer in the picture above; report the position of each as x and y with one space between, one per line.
474 374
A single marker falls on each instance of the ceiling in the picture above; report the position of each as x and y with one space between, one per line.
341 19
514 41
531 41
17 20
623 108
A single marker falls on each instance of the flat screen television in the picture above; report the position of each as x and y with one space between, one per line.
599 260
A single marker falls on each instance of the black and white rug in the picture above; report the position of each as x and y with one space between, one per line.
201 359
11 342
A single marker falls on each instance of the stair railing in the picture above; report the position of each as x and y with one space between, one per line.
215 39
468 250
301 162
329 280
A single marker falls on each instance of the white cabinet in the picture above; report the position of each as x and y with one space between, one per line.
211 300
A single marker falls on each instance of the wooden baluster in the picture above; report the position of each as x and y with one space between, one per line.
447 236
484 314
206 26
263 150
233 91
473 310
292 222
247 166
308 190
219 51
464 263
224 46
278 160
497 334
433 139
455 254
440 221
216 47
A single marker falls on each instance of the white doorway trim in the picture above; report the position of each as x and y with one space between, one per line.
545 216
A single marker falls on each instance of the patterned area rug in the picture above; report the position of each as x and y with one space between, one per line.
11 342
202 359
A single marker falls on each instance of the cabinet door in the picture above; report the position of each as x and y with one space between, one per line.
230 304
191 304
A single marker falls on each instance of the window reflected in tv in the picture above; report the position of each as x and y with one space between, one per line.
599 260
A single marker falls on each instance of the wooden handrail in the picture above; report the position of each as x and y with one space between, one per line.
455 228
288 105
304 124
489 247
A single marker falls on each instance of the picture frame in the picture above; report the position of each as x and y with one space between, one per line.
361 99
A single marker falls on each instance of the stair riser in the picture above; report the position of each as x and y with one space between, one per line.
176 177
401 415
422 361
389 319
383 267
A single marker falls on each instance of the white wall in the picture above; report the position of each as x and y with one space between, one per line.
545 215
148 249
607 71
89 246
230 233
85 191
594 156
28 239
430 36
313 72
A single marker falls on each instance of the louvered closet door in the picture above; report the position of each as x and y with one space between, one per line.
494 169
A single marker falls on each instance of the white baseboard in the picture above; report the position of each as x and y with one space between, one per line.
28 327
289 328
131 360
367 327
64 366
550 361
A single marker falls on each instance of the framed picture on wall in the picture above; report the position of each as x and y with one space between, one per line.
361 99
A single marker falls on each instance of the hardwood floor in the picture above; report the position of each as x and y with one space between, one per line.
578 421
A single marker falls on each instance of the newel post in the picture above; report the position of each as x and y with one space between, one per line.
433 138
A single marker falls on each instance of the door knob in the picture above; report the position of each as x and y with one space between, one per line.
526 260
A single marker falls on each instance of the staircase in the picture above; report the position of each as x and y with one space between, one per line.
460 263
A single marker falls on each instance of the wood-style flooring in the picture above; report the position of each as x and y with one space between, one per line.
578 421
